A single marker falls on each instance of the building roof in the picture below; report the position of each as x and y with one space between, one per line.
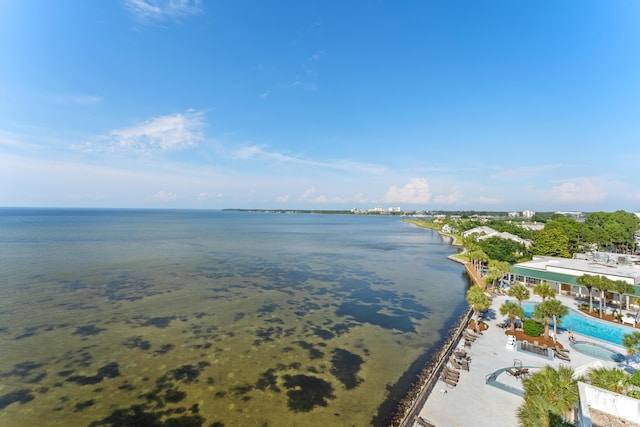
566 270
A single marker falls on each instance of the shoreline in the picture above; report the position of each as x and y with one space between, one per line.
409 407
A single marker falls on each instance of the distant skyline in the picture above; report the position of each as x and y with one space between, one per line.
489 105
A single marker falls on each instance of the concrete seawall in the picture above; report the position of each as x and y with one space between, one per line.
429 376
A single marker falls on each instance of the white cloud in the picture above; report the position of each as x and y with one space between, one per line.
310 192
416 191
283 199
163 133
204 196
163 10
488 200
449 199
163 196
579 190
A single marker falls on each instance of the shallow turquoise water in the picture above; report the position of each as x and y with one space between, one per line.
204 317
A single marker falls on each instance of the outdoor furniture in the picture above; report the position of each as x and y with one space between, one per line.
454 363
465 364
562 356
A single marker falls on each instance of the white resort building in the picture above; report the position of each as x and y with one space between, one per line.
561 273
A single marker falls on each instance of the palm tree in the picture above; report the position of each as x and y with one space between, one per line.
556 310
478 301
603 284
543 290
587 281
541 313
612 379
631 342
519 292
512 310
551 394
622 288
478 257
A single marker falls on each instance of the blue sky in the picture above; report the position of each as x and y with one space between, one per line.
448 105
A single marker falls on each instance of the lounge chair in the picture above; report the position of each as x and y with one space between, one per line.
451 372
467 343
450 383
450 376
462 355
561 350
454 363
512 372
465 364
562 356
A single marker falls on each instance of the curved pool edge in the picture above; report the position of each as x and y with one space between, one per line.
616 356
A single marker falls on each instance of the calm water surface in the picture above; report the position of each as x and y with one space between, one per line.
209 318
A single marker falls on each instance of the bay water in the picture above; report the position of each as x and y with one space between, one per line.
112 317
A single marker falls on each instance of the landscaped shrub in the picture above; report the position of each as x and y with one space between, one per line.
532 328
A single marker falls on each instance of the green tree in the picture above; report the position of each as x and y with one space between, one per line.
556 310
550 242
519 292
478 301
542 314
550 393
588 282
603 284
631 342
612 379
477 258
512 311
623 288
501 249
496 272
544 291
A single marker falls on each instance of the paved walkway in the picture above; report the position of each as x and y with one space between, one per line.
474 403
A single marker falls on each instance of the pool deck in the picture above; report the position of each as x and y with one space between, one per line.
473 402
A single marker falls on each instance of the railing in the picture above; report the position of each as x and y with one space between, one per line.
432 378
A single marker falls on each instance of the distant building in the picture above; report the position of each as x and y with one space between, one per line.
394 209
487 232
513 214
528 214
569 213
533 226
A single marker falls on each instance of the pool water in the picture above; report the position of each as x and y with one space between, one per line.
584 325
597 351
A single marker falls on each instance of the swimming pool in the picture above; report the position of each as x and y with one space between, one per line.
598 351
584 325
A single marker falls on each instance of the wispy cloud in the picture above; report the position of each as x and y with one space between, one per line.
258 151
416 191
163 10
163 133
306 79
76 99
163 196
580 190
